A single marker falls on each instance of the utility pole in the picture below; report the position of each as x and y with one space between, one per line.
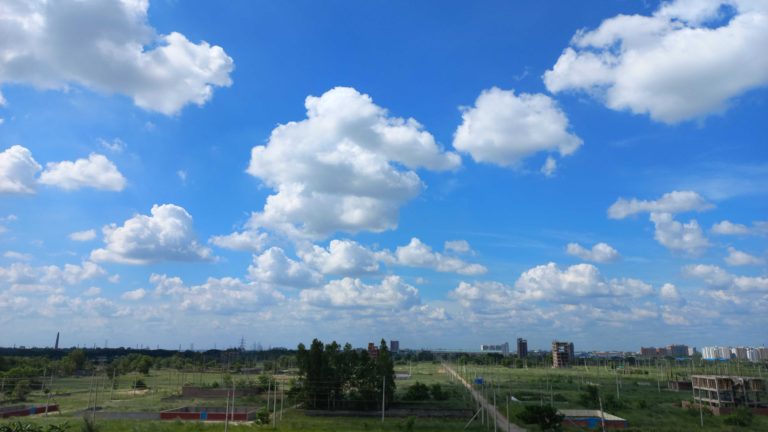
383 396
226 413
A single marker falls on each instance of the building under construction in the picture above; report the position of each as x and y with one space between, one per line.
562 354
723 393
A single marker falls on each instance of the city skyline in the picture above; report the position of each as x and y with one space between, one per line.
174 174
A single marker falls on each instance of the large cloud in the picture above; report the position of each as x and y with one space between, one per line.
107 46
687 60
345 257
392 292
97 172
275 268
739 258
347 167
225 294
548 282
503 128
672 202
165 235
716 277
17 171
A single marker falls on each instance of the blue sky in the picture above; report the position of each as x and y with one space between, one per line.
192 173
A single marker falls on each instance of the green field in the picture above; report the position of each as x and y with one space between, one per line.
642 398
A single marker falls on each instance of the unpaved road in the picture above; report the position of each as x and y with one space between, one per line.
501 422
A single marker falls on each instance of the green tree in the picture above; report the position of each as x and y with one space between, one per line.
545 416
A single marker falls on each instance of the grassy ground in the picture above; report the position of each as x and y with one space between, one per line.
646 403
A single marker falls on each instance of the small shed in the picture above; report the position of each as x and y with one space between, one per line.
23 410
592 419
208 414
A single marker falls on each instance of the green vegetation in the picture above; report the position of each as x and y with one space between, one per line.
330 377
546 417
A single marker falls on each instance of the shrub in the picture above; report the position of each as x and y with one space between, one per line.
262 416
740 417
437 392
417 392
545 416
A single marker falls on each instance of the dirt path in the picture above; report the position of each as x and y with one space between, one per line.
501 422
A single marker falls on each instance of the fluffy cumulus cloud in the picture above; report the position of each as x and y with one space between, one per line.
669 292
116 52
549 282
716 277
739 258
600 252
220 295
96 172
248 240
165 235
727 227
418 254
25 277
348 166
345 257
676 236
503 128
18 170
392 292
274 267
686 60
672 202
134 295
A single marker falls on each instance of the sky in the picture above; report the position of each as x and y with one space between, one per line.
193 173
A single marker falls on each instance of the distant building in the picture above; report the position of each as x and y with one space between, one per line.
373 350
497 349
562 354
677 350
727 391
740 353
691 351
394 346
522 348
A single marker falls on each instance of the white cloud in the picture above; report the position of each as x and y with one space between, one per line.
165 235
225 294
134 295
738 258
672 202
549 167
669 292
50 276
17 171
729 228
600 252
458 246
716 277
548 282
83 236
274 267
488 296
503 128
107 46
345 257
248 240
17 256
115 146
97 172
92 292
676 236
418 254
392 292
674 65
347 167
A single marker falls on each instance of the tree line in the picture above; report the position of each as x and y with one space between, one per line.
335 377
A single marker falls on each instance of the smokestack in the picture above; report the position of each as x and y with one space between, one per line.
56 347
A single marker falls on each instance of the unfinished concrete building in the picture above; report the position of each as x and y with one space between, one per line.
724 393
562 354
